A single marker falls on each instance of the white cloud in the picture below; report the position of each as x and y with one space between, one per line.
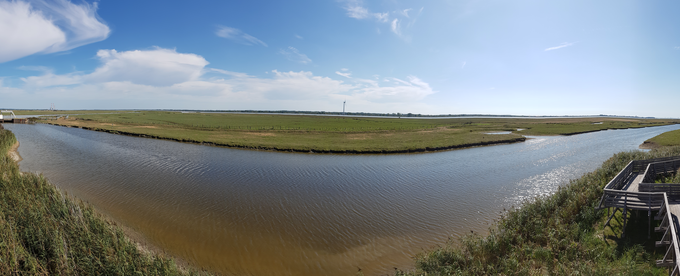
293 54
358 12
38 26
164 78
299 37
404 91
346 75
463 65
396 27
382 17
355 9
565 44
49 79
238 36
157 67
677 47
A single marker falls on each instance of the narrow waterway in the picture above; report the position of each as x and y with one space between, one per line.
269 213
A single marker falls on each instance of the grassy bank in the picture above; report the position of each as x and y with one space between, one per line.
558 234
670 138
339 134
44 232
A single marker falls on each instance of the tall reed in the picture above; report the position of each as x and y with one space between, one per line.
44 232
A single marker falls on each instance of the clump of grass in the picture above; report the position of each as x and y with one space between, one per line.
556 234
43 232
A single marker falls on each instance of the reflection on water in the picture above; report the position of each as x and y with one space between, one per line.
269 213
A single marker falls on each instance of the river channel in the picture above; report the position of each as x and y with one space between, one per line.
248 212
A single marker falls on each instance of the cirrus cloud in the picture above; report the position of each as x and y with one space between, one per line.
238 36
30 27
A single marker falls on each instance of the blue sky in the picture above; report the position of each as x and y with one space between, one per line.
431 57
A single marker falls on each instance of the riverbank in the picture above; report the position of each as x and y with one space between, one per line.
670 138
43 231
338 134
561 233
14 153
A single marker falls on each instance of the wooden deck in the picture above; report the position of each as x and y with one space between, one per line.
634 184
634 188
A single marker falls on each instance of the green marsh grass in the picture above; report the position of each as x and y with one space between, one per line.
560 234
44 232
670 138
339 134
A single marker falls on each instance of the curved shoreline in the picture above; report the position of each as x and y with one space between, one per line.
141 242
14 153
190 141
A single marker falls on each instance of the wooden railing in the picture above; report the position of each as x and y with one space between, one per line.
650 196
656 168
632 200
669 239
641 165
621 178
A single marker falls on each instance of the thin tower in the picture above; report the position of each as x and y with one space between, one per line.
343 107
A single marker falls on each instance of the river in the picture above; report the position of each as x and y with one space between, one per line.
249 212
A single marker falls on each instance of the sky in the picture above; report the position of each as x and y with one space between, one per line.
499 57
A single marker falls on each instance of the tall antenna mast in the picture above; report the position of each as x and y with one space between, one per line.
343 107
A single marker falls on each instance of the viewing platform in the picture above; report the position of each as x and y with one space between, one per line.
634 189
11 118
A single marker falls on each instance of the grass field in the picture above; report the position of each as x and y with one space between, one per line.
44 232
670 138
339 134
560 234
60 112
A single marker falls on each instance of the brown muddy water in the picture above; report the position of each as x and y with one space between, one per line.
249 212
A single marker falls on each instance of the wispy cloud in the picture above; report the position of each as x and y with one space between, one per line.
396 28
346 74
299 37
565 44
28 28
463 64
394 19
238 36
677 48
356 10
382 17
293 54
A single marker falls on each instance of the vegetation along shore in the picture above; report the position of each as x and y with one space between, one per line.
560 234
45 232
339 134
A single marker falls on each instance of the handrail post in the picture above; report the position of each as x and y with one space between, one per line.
625 212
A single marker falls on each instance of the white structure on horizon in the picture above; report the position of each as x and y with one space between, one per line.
11 114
